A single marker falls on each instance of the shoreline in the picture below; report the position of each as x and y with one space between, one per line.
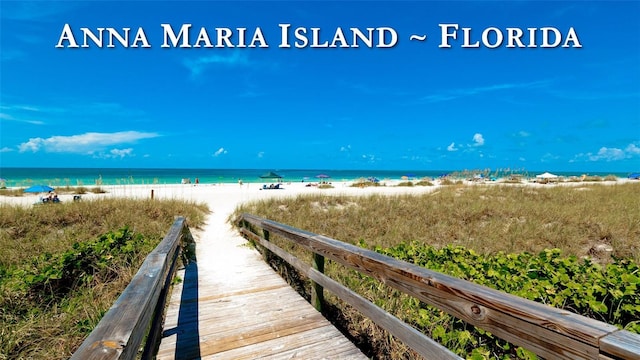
62 177
230 195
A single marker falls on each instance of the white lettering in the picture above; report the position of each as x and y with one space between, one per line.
224 37
393 39
444 29
299 33
284 35
366 39
86 32
513 37
315 39
545 37
487 41
170 35
203 37
140 37
466 35
493 37
339 37
572 37
67 35
258 37
123 40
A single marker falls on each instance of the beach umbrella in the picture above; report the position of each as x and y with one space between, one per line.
270 175
634 176
38 189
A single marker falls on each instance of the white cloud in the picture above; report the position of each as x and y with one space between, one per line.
370 158
633 149
478 139
610 154
457 93
614 154
5 149
220 151
198 65
87 143
115 153
345 148
261 154
7 117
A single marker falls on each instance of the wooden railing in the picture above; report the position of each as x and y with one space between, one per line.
137 313
549 332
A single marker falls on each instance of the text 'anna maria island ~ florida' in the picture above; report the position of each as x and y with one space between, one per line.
189 36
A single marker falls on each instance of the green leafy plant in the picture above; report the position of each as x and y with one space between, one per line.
548 277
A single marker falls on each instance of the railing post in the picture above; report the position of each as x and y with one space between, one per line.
266 253
317 291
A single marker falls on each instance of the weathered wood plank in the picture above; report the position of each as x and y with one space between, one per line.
244 307
550 332
253 311
309 344
121 330
416 340
622 344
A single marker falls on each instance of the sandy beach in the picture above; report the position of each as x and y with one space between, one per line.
223 198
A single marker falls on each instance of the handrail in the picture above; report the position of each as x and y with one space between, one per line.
139 309
547 331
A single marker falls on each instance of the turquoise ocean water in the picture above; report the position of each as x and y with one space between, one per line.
21 177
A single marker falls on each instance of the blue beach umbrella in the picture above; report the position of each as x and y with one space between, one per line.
38 189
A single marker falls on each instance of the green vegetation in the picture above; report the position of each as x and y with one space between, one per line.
424 183
547 277
406 183
540 243
361 183
63 266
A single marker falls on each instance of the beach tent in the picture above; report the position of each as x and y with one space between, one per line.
270 175
547 175
38 189
634 176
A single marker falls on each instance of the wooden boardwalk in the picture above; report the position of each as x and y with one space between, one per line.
232 305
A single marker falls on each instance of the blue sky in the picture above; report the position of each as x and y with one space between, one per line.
415 105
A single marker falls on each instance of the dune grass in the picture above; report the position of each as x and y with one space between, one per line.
592 220
38 323
487 219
